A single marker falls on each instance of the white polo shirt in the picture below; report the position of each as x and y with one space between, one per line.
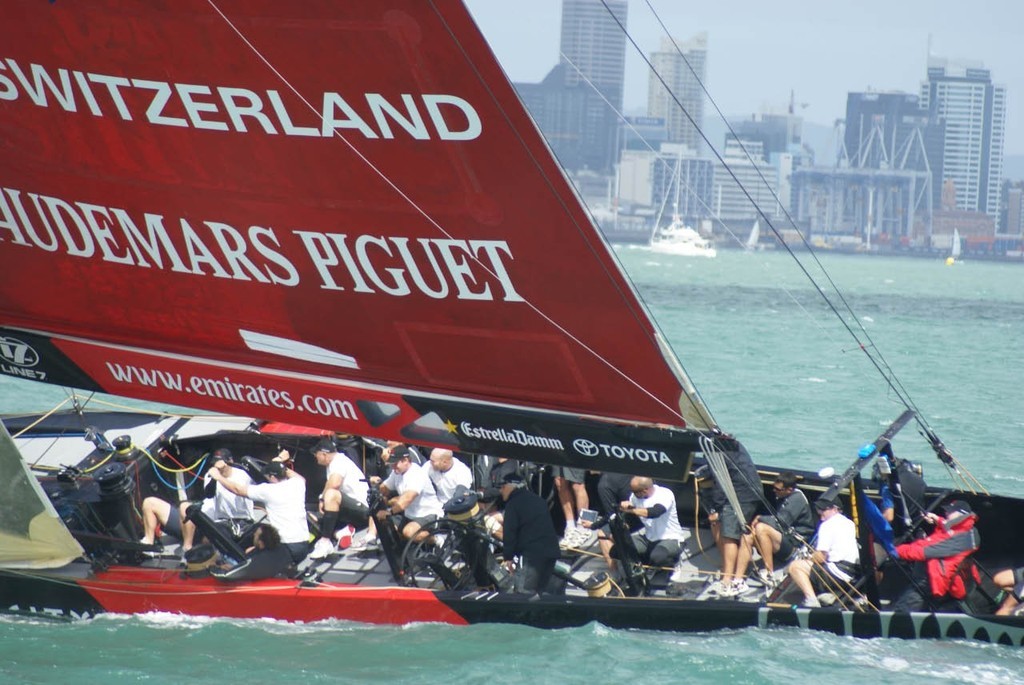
353 481
417 480
445 482
285 502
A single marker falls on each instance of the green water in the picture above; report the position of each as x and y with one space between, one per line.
776 369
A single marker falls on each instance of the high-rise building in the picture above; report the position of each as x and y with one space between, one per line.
750 172
577 105
890 130
595 43
683 70
593 71
973 110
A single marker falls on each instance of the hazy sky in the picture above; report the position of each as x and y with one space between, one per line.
759 51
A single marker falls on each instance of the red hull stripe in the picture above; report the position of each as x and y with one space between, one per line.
134 590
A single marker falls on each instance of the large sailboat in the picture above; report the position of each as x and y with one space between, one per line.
296 213
677 237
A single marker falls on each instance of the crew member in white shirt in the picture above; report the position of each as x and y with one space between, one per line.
223 507
835 552
409 494
284 498
447 473
343 501
659 543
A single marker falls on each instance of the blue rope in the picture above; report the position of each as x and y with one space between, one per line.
172 486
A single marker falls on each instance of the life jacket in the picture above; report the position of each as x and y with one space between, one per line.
944 551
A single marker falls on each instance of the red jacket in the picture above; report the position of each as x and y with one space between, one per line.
944 551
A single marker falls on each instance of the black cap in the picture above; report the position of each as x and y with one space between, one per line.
823 504
225 454
513 479
275 469
956 506
398 454
325 445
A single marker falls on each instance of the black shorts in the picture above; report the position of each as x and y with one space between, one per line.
423 521
729 524
173 525
352 512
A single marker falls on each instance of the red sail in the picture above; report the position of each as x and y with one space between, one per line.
325 213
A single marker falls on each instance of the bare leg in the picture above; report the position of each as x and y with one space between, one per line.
605 546
768 541
1004 581
188 529
565 500
582 498
743 555
730 552
800 572
155 512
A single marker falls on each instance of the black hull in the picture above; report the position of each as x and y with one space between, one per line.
53 594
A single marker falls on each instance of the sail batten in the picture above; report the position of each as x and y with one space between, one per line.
377 207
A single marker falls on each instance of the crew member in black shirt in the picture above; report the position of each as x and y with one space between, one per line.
530 534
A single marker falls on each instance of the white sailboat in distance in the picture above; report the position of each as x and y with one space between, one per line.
954 251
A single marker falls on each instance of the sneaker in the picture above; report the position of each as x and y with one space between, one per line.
366 543
811 603
827 599
740 587
585 538
679 574
767 579
716 587
731 590
152 552
321 549
570 539
344 536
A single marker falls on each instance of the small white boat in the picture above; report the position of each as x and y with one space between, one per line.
679 239
754 238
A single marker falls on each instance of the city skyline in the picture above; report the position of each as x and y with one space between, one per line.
758 53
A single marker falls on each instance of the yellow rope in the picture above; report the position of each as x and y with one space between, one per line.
41 419
101 463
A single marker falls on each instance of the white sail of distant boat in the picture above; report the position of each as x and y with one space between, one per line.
954 251
754 237
678 238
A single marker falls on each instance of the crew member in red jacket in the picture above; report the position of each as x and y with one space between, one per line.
941 555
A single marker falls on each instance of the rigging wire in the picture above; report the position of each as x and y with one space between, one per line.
888 374
866 344
675 411
658 158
